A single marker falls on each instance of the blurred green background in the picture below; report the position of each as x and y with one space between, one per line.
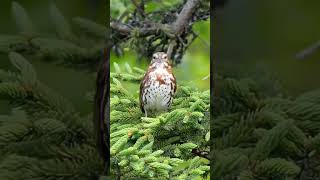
69 82
268 34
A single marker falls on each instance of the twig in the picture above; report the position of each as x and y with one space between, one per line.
174 31
308 51
204 42
139 8
142 32
177 27
170 48
124 14
193 38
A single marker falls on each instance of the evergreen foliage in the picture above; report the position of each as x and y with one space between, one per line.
44 137
74 47
158 147
257 136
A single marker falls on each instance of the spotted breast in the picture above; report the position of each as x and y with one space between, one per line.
158 86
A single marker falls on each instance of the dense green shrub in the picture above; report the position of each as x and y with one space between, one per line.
159 147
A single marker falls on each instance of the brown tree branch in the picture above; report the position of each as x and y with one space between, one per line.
151 29
175 29
121 28
184 16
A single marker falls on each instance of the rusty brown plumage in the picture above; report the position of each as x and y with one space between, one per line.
158 85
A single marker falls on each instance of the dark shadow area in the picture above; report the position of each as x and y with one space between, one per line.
50 52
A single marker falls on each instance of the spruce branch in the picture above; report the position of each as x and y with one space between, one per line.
173 30
63 28
23 21
163 145
78 50
278 136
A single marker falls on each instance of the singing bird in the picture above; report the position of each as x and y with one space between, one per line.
158 86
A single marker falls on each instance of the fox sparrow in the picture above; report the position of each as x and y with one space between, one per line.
158 85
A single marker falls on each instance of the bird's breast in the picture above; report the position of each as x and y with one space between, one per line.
158 91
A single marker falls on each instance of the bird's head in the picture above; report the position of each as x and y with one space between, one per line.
160 59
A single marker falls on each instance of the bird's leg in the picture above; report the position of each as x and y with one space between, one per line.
146 114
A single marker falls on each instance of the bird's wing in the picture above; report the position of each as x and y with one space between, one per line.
141 91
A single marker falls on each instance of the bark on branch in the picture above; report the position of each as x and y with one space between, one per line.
142 32
175 29
120 27
172 30
184 16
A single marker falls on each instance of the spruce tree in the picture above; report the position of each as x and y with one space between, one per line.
170 145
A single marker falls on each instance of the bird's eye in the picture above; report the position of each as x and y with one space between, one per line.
154 57
165 57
